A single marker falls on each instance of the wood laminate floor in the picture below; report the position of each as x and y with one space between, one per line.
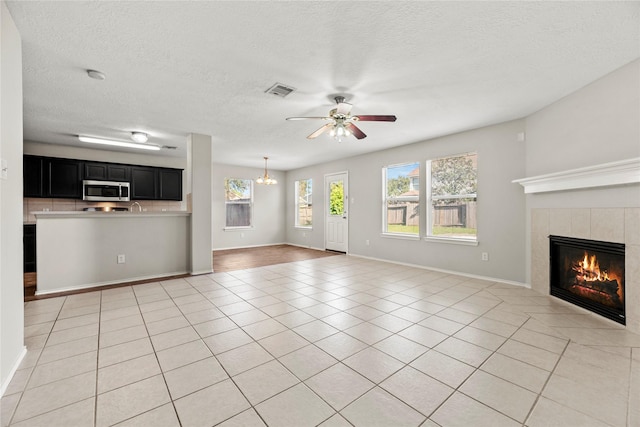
241 259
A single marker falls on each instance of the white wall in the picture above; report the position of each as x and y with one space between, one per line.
501 213
11 288
199 185
597 124
268 210
81 250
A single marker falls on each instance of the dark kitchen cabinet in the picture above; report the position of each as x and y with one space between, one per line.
144 183
170 184
56 177
32 168
106 171
29 247
64 178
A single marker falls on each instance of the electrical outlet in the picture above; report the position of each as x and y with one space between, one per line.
121 259
485 256
367 242
304 234
241 235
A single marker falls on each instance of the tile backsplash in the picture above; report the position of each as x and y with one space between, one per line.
31 205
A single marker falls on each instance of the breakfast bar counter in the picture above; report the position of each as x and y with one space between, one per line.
78 249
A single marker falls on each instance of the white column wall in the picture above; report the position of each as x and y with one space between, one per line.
200 165
11 289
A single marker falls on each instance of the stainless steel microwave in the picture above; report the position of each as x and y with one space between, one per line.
105 191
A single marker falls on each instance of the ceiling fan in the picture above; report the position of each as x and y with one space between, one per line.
342 123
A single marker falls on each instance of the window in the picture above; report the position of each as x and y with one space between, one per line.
401 210
304 204
238 195
451 197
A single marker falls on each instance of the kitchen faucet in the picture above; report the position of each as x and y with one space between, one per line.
139 207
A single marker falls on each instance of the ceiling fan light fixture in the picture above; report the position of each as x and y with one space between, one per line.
266 179
139 137
116 143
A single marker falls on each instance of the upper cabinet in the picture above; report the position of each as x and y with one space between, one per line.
170 184
32 168
62 178
51 177
144 183
107 171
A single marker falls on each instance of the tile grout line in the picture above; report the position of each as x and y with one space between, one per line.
155 354
95 403
539 394
35 365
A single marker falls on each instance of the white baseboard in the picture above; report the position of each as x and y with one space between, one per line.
14 368
110 282
441 270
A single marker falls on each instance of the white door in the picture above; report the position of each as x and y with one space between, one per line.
336 204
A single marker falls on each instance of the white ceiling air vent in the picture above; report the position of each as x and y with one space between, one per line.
280 90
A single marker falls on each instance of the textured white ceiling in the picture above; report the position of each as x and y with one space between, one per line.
177 67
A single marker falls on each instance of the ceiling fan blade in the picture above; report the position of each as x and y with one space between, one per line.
320 131
344 108
376 118
355 130
308 118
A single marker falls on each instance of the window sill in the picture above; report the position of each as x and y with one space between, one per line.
400 236
302 227
451 240
237 228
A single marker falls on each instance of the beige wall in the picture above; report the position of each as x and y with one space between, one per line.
599 123
268 209
11 290
81 250
500 208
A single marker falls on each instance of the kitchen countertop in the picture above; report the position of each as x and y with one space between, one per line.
90 214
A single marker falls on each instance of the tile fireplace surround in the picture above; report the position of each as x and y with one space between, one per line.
619 225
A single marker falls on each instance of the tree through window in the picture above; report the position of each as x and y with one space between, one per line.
452 197
401 199
238 195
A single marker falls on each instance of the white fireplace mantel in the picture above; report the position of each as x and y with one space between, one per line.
606 174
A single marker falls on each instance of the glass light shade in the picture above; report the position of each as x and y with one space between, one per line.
139 136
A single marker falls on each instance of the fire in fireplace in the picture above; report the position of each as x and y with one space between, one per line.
590 274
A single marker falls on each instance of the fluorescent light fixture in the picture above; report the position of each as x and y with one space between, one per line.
93 140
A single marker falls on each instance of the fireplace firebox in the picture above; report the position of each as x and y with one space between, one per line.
590 274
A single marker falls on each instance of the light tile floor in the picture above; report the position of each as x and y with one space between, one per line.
334 342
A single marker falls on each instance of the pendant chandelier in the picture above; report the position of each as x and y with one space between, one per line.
266 180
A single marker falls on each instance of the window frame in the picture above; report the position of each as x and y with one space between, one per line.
297 203
386 199
249 202
429 236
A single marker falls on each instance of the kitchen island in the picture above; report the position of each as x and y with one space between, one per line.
77 250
